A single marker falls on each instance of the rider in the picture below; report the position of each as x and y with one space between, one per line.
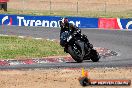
66 26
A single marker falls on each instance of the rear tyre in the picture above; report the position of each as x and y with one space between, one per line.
74 55
94 55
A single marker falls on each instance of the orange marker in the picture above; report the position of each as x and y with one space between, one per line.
84 73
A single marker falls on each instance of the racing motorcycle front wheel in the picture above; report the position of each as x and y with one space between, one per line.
75 54
94 55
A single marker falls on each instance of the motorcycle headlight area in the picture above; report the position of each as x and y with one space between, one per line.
64 35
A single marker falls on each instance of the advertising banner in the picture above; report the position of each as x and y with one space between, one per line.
46 21
108 23
115 23
125 23
53 21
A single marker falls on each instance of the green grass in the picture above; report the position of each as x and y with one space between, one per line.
125 14
14 47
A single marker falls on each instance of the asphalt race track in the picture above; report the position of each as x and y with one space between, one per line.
118 41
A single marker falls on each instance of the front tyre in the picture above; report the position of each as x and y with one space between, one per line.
94 55
74 55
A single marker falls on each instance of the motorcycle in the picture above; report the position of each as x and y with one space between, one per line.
78 46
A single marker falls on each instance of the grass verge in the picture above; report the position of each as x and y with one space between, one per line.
16 48
125 14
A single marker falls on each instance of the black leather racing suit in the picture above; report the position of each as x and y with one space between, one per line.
67 27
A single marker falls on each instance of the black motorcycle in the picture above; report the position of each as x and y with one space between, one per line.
78 46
